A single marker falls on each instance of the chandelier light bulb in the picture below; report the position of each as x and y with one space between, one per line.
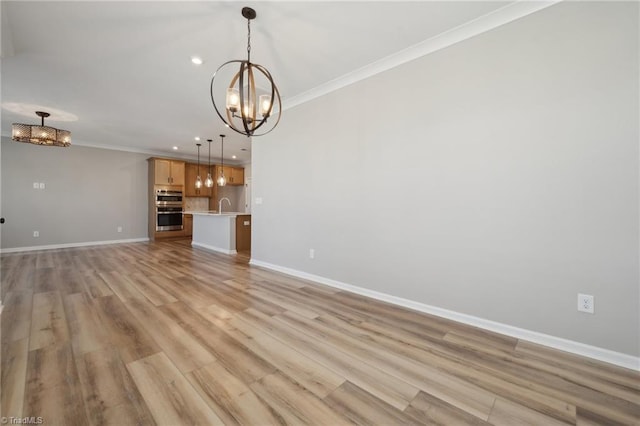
233 100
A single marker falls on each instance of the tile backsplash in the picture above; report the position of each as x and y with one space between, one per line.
196 204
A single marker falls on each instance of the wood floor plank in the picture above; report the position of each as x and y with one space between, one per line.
284 303
182 348
448 387
147 286
170 397
386 387
87 334
110 395
295 404
16 315
124 331
313 376
69 281
236 357
584 366
48 322
17 273
361 407
121 285
507 413
464 364
230 398
14 374
94 285
52 389
427 409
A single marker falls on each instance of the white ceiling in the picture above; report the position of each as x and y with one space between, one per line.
124 70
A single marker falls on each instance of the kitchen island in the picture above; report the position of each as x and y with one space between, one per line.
217 231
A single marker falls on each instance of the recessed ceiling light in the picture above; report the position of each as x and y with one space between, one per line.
197 138
196 60
234 157
175 148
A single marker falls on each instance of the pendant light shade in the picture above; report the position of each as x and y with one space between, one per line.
40 135
251 98
198 180
222 181
208 182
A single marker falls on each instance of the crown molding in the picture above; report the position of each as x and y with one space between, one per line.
497 18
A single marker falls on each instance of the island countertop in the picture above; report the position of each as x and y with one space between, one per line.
215 213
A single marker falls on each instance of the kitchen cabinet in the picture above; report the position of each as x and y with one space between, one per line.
234 175
237 176
168 172
188 225
191 172
243 232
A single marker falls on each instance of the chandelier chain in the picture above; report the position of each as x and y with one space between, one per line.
248 40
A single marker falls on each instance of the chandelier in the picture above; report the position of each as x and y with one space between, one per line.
40 134
249 104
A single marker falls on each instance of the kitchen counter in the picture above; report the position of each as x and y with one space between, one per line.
215 231
213 213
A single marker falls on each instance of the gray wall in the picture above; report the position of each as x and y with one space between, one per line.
518 151
88 193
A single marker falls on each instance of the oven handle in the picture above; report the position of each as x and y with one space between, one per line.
169 212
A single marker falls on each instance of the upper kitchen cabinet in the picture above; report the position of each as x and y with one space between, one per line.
237 176
234 175
168 172
191 172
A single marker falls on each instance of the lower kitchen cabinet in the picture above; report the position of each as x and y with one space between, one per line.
243 232
188 225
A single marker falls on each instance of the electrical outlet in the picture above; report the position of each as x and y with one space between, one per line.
36 234
119 228
585 303
312 253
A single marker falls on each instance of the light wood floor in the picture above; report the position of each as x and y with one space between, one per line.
160 333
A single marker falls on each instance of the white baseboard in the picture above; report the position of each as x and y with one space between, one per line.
72 245
601 354
212 248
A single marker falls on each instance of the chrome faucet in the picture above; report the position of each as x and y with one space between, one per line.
220 204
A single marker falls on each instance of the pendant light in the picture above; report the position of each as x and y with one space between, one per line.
209 181
198 180
251 97
222 181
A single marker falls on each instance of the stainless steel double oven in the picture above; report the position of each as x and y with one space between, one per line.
168 210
